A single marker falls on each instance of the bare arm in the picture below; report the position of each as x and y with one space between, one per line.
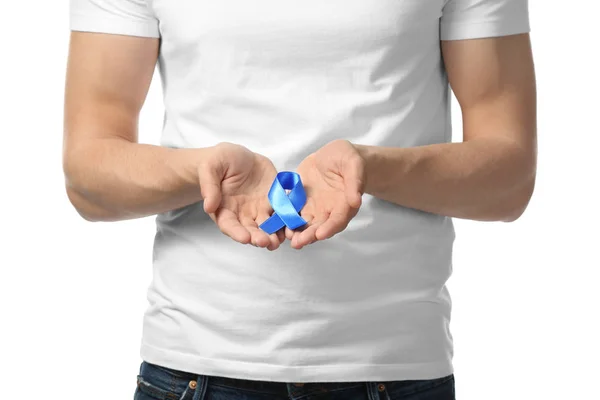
490 175
109 176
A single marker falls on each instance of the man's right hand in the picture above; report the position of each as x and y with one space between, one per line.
110 176
234 183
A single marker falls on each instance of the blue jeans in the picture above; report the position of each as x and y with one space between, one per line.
159 383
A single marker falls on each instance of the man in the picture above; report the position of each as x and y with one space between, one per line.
354 97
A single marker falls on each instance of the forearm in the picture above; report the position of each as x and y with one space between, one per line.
112 179
486 179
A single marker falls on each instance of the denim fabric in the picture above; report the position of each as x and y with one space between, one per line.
159 383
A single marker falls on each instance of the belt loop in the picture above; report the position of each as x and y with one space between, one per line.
201 385
372 391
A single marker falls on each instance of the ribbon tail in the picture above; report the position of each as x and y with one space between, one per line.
272 225
295 221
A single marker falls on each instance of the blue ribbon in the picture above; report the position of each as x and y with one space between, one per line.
286 206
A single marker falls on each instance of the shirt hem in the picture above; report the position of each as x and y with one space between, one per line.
287 373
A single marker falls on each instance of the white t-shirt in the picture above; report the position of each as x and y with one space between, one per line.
284 78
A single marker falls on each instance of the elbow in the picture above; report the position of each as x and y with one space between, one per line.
508 207
519 196
74 189
79 204
87 209
77 189
518 202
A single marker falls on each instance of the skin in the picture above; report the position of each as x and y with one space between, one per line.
489 176
111 177
333 180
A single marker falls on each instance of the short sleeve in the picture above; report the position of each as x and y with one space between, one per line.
123 17
472 19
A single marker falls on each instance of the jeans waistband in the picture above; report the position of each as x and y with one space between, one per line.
281 388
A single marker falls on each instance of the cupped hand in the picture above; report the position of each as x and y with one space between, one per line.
333 178
234 183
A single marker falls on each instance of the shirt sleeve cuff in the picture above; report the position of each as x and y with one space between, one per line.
115 26
452 30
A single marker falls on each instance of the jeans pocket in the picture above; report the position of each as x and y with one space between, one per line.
160 383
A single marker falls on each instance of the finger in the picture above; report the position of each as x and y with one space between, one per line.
281 235
308 235
289 234
353 198
305 237
264 213
273 239
275 242
258 237
338 221
308 217
213 217
210 187
229 224
353 172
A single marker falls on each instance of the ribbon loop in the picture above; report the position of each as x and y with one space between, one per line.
286 205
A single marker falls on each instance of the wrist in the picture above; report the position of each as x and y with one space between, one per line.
187 163
385 167
368 154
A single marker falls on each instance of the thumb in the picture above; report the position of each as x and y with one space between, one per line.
354 198
210 178
353 172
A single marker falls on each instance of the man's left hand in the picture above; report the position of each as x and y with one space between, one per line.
333 178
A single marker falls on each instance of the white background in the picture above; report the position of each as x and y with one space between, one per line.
72 293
